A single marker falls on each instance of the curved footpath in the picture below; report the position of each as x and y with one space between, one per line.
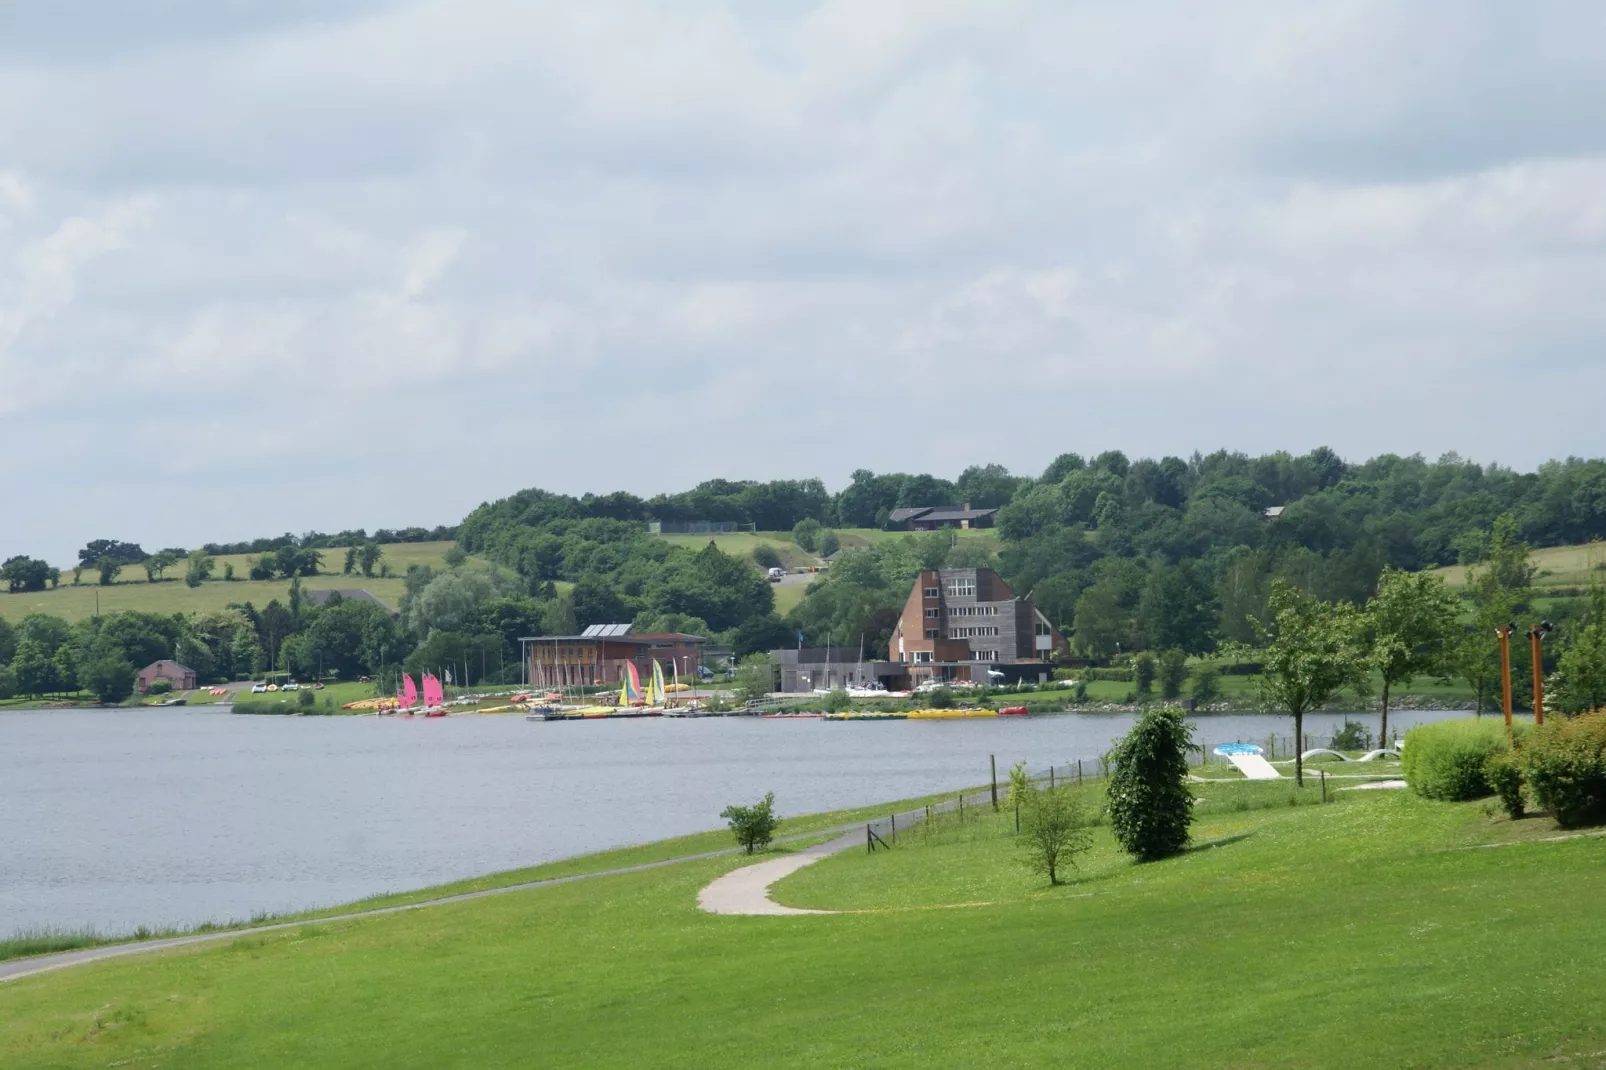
747 890
27 967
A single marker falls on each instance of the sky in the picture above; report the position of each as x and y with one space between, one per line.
317 264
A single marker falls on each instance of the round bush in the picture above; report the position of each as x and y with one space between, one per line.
1150 805
1565 765
1448 760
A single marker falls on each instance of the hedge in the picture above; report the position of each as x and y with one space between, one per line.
1565 766
1448 759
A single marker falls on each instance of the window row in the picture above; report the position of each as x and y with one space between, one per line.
973 611
972 631
961 588
984 655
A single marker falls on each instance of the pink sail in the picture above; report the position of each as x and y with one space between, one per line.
433 695
410 693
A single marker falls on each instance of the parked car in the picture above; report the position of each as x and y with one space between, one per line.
259 689
776 575
291 687
704 672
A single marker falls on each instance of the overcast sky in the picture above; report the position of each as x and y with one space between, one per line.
273 265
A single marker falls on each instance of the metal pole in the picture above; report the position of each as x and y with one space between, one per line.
1534 636
1323 773
992 763
1505 672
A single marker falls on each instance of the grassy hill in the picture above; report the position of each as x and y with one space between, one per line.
1367 932
1559 566
132 592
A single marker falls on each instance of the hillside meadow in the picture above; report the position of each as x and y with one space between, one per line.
1377 929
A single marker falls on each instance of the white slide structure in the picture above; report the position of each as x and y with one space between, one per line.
1254 767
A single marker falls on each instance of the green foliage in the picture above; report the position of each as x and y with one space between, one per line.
124 553
306 697
455 557
160 687
765 556
1151 808
200 568
1053 830
27 574
1313 651
1448 760
1352 736
368 555
1143 670
753 826
828 544
941 698
754 678
1413 624
1020 784
1579 683
1206 685
107 672
108 568
1504 774
1564 762
158 563
805 533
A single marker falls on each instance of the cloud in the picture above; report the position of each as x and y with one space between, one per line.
370 263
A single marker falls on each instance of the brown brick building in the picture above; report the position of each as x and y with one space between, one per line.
959 623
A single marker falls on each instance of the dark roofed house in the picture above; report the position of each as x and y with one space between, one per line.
320 596
933 517
180 677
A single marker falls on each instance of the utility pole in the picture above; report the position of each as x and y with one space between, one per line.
1536 635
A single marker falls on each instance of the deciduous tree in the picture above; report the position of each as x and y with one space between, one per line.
1412 626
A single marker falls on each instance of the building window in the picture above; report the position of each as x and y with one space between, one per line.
931 592
933 612
962 588
1042 629
984 655
922 657
931 633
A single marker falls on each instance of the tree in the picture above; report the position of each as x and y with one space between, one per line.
107 672
66 666
1053 830
1500 589
33 668
1179 609
1313 650
754 826
754 677
158 563
26 574
1172 673
1143 673
455 557
764 556
828 543
1412 621
368 556
1151 808
125 553
1579 682
228 572
108 567
200 569
350 565
805 532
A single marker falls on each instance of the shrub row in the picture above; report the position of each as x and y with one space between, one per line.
1119 676
1562 764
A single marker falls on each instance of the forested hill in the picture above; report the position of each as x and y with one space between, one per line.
1120 554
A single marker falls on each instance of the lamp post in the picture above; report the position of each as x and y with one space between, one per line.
1504 632
1536 635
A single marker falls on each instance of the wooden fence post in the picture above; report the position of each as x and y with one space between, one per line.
1078 770
992 763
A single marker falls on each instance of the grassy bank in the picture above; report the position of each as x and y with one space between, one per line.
1358 933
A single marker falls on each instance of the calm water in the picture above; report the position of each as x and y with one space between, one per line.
116 819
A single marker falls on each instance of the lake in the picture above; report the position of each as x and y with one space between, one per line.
120 818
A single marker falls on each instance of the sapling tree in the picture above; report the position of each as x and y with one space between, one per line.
754 826
1053 829
1313 650
1151 807
1412 623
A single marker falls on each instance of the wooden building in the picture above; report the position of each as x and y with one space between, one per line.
598 655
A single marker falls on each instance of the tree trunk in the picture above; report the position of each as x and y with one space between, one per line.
1383 730
1299 747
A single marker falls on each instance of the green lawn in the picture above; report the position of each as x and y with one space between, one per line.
132 592
1351 934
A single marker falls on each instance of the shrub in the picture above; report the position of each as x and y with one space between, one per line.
1150 805
161 687
754 826
1173 673
1353 736
304 697
838 700
1505 777
1206 685
1445 760
1118 676
1053 830
1143 669
805 533
828 543
1019 784
942 698
1565 765
764 556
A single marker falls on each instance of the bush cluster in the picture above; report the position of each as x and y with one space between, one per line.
1117 676
1448 760
1151 807
1564 764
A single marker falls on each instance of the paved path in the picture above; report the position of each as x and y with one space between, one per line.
747 890
18 968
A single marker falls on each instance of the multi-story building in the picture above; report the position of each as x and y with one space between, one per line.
967 624
598 655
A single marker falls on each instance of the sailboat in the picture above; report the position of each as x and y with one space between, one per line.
407 697
434 697
630 686
655 690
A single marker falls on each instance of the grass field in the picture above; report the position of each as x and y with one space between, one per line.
1559 566
172 596
1357 933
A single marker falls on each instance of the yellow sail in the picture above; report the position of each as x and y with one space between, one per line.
655 690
